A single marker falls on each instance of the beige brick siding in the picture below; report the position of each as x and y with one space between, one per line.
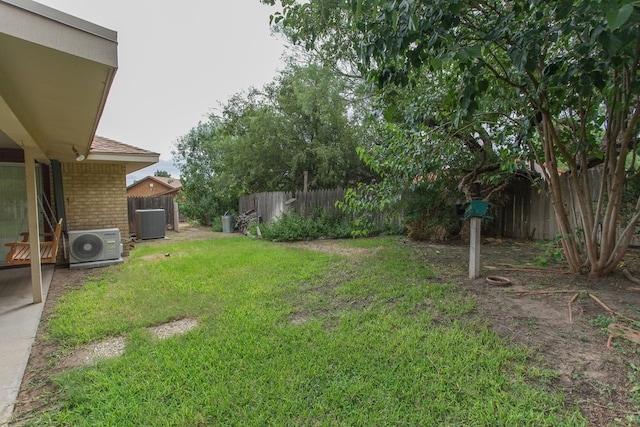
96 197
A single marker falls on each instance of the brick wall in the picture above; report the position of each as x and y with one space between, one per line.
96 197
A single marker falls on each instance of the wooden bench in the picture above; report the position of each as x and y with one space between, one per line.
20 253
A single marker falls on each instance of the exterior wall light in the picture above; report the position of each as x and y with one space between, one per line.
79 157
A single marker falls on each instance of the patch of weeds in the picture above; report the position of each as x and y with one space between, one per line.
637 310
321 223
632 419
603 389
634 378
532 323
551 253
577 376
579 336
601 321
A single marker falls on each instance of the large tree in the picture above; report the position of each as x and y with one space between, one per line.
561 74
266 139
197 155
299 123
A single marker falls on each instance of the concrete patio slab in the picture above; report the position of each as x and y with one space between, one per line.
19 319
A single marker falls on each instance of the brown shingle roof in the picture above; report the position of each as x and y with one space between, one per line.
106 145
172 182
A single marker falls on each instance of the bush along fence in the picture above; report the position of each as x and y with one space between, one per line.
527 213
272 205
153 202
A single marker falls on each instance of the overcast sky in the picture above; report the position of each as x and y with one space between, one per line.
177 61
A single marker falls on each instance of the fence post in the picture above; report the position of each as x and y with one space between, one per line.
176 217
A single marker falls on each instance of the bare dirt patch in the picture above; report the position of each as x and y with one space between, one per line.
187 232
593 376
87 354
329 246
177 327
114 346
155 257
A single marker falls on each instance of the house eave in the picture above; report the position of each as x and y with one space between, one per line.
56 71
64 18
133 162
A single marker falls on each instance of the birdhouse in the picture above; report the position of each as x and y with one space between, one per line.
477 209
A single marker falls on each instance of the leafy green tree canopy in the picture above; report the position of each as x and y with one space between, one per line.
299 123
557 78
267 139
196 155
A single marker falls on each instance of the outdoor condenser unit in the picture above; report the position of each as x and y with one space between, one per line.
95 248
150 224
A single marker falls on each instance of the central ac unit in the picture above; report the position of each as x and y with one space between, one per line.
150 224
95 248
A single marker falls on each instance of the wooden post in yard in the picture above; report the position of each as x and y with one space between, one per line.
176 218
474 247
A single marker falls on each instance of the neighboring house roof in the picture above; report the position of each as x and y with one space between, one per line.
108 150
172 185
173 182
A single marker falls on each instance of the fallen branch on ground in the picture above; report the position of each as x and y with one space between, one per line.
571 301
618 330
525 268
630 276
628 333
603 305
571 291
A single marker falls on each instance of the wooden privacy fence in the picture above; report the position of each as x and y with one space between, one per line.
530 214
272 205
152 202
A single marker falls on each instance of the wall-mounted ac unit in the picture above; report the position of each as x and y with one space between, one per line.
150 224
95 248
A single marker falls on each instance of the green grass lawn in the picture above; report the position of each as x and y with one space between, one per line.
292 337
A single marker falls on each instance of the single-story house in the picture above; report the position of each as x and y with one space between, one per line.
154 186
56 72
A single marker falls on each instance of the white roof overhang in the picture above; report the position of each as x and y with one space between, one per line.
55 73
133 162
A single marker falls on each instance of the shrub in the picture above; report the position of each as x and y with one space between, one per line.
294 226
430 213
